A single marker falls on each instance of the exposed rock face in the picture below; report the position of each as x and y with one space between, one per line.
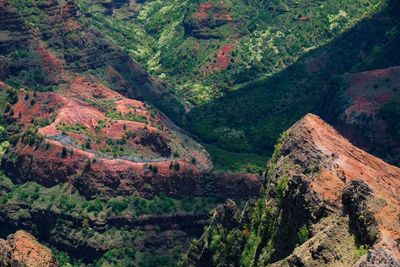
323 199
206 18
378 257
61 43
355 203
22 249
61 151
201 251
159 233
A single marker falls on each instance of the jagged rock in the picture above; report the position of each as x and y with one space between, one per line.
22 249
319 190
225 217
355 202
378 258
300 206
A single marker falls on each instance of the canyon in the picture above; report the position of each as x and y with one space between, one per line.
182 133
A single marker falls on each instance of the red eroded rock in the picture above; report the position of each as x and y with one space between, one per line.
335 163
93 142
224 56
22 248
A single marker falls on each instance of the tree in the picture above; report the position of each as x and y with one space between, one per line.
64 152
303 235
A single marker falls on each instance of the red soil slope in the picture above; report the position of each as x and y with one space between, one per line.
341 163
144 157
361 119
208 11
369 91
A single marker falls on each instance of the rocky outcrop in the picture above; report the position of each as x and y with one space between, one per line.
378 257
206 18
201 251
22 249
325 202
355 203
107 178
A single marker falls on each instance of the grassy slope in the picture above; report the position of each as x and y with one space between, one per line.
267 36
250 119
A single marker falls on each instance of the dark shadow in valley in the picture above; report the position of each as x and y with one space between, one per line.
255 115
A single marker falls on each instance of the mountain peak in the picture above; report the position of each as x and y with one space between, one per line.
340 165
324 200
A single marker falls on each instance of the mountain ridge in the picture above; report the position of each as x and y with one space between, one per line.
321 195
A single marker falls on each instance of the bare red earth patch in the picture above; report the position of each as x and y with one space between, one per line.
224 55
202 13
369 91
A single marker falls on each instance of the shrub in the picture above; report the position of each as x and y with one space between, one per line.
12 96
64 152
95 206
282 185
66 203
362 250
303 235
88 144
117 204
176 166
153 169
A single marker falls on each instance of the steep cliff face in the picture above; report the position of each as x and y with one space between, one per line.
22 249
325 202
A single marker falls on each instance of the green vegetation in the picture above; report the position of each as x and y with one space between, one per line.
250 119
282 185
303 235
108 107
75 128
267 37
60 199
128 117
270 40
391 113
63 199
253 242
118 148
31 73
362 250
225 160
